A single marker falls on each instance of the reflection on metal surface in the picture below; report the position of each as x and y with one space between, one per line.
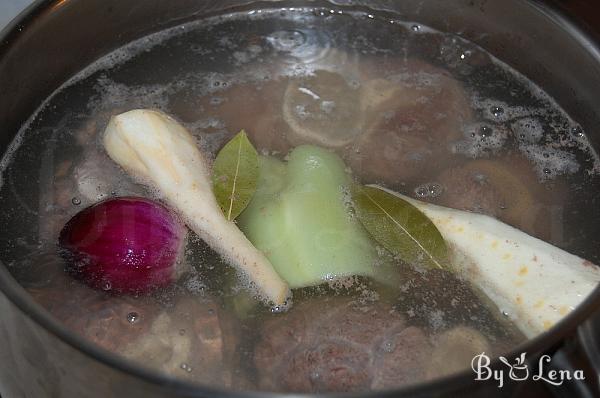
10 8
58 4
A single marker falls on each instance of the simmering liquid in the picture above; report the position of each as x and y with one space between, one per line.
419 111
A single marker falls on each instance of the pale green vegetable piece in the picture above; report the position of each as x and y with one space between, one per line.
300 219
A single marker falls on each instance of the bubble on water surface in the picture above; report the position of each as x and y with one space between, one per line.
497 111
429 190
287 40
186 367
133 317
388 346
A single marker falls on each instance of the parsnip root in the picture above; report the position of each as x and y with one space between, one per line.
152 146
534 283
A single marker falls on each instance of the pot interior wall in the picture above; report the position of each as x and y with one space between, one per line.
62 39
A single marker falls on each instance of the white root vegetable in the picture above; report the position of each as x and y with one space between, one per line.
154 147
535 283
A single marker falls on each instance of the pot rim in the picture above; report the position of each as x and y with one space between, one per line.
19 297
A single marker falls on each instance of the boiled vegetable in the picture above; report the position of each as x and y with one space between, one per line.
534 283
300 218
155 148
125 244
323 109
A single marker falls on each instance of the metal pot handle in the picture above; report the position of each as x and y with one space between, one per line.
580 352
588 341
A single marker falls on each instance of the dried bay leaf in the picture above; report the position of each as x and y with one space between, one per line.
400 227
235 175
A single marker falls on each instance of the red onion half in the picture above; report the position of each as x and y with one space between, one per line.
128 245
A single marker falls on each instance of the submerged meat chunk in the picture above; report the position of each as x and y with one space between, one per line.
339 344
508 190
191 339
329 366
255 108
413 115
194 340
109 322
454 350
79 183
472 189
389 120
402 360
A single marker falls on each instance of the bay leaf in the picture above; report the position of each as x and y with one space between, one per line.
400 227
235 175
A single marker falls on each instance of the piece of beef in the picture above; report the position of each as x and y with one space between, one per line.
339 344
454 349
107 321
192 338
79 183
253 107
506 189
414 113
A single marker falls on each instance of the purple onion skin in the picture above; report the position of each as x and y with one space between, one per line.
125 245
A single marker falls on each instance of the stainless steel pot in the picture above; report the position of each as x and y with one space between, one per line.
54 39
